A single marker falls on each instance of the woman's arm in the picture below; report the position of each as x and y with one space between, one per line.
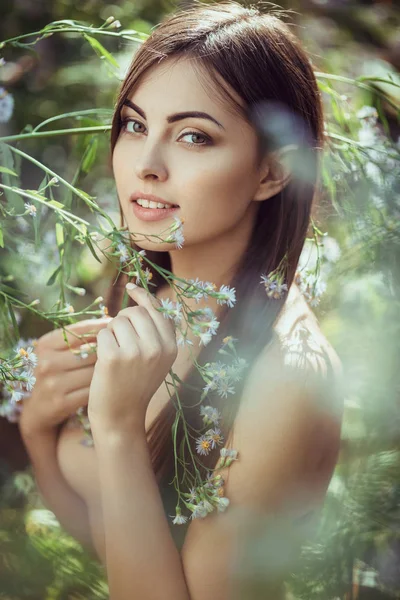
142 560
68 507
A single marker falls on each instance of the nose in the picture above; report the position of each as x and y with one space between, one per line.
149 164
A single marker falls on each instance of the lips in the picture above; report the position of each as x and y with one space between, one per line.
140 195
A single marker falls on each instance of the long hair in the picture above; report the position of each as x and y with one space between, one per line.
258 56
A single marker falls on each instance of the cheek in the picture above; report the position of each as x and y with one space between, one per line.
222 187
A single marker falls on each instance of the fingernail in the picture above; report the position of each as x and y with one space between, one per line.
131 286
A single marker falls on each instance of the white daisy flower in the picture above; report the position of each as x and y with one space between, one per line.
203 445
273 288
199 511
29 357
230 296
178 518
205 338
224 388
31 209
123 252
210 415
179 238
215 437
223 504
30 380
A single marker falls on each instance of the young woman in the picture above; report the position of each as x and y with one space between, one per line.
186 131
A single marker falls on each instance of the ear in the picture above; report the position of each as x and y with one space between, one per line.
275 172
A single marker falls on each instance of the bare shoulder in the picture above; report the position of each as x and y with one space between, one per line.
304 352
290 414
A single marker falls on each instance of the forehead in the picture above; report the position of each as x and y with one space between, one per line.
181 84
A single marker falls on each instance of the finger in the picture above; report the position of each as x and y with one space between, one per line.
82 378
58 361
137 329
76 333
165 325
77 399
106 344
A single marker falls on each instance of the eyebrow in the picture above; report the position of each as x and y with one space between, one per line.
177 116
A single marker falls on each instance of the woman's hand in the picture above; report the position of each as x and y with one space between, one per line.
135 352
62 376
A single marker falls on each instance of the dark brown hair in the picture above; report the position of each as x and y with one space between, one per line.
258 56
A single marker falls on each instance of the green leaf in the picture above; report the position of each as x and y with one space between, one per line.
8 171
101 51
91 248
90 154
53 276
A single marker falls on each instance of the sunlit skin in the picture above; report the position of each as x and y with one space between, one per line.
216 181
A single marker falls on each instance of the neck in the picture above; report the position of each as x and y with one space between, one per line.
214 260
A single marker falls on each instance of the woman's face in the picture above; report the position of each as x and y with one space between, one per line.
208 169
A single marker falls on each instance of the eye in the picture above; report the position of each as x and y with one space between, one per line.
126 122
202 135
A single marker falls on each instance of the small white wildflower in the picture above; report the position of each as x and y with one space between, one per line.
210 415
228 341
199 511
223 504
230 296
178 518
69 308
30 380
116 25
274 289
103 309
31 209
6 105
208 506
178 237
224 388
16 396
228 453
192 496
53 181
183 341
205 338
171 310
29 357
203 445
123 253
10 411
215 437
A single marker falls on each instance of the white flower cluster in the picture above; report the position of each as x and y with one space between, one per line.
16 390
210 496
204 323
